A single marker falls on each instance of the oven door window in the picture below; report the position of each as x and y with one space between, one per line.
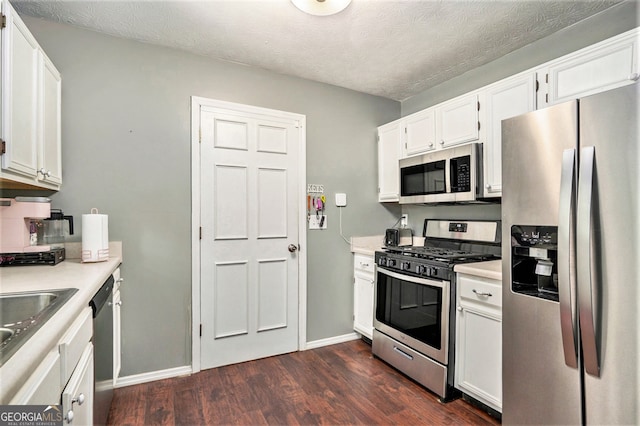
414 309
423 179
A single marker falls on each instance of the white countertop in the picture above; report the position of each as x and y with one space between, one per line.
367 245
491 269
71 273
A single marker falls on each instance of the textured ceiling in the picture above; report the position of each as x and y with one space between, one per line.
393 49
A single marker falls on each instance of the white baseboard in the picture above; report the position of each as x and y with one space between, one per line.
332 341
151 376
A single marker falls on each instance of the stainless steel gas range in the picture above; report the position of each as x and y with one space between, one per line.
414 318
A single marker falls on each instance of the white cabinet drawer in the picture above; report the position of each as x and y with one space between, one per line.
479 290
74 342
363 263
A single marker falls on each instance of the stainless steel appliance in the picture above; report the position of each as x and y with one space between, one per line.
449 175
570 267
398 237
102 307
414 321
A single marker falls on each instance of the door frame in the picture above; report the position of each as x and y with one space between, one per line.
196 103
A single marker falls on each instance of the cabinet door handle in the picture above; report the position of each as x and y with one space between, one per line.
482 293
69 417
79 399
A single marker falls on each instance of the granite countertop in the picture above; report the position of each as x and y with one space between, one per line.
491 269
71 273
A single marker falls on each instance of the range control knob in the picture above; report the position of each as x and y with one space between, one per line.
405 266
391 262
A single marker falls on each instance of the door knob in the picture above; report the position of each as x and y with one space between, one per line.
292 248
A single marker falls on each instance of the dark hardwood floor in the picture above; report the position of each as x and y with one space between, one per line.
334 385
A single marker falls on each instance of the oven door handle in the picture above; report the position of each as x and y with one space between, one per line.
412 279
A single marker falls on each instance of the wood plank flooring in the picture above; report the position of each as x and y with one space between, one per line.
334 385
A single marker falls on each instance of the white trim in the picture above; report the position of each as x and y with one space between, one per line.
196 104
152 376
332 340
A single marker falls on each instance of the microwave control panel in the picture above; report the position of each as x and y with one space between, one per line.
461 174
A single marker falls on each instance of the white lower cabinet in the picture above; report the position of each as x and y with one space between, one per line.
65 376
43 387
117 357
77 397
363 288
478 360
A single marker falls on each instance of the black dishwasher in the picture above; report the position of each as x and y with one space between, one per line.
102 306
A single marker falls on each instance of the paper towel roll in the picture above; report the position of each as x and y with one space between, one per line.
95 237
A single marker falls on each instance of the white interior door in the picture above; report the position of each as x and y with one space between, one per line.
249 218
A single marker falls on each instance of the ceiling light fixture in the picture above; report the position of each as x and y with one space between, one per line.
321 7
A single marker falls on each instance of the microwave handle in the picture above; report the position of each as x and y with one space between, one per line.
447 175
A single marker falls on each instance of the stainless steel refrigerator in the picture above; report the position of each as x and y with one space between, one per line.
571 262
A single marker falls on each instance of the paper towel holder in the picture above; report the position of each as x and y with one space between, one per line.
95 237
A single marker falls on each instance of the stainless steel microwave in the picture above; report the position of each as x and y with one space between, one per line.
451 175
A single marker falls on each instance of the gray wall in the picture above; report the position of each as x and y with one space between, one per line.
613 21
126 151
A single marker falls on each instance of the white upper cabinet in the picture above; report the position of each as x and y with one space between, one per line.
420 132
19 96
31 93
50 152
603 66
389 146
505 99
457 121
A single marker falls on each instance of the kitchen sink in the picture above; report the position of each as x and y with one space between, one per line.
22 314
5 333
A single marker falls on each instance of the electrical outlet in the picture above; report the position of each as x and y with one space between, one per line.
404 220
341 200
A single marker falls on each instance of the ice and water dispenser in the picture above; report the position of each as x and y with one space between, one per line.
534 259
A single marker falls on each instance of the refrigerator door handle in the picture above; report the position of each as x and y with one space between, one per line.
585 244
566 258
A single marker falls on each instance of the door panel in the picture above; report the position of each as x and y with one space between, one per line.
231 215
249 279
